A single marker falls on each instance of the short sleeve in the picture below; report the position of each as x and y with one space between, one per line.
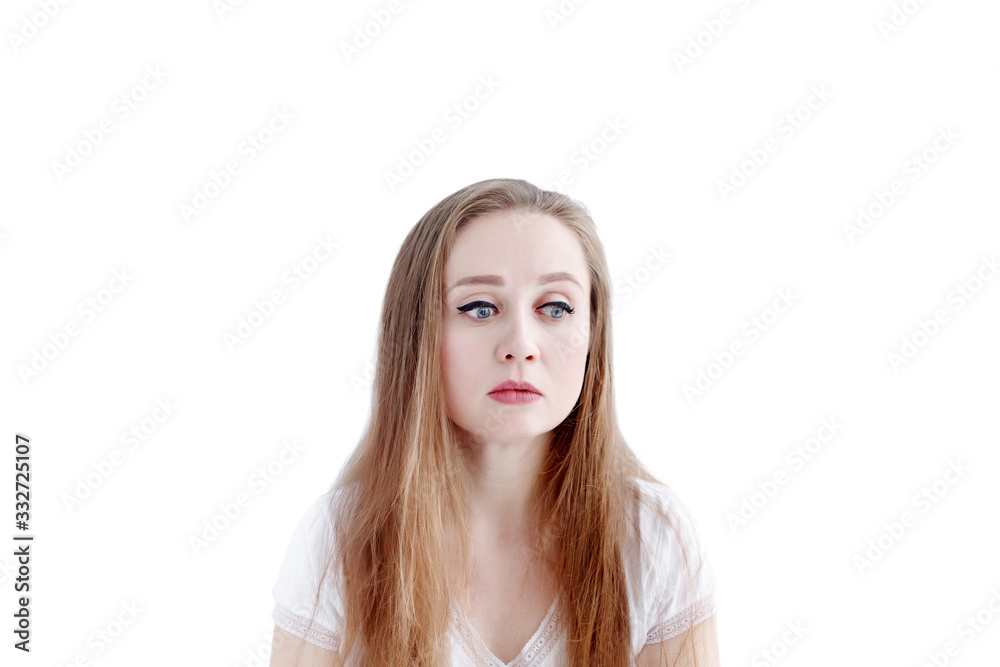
678 594
298 580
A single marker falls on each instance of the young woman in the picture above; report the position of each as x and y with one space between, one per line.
492 513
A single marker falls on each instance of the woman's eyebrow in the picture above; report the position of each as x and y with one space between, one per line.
498 281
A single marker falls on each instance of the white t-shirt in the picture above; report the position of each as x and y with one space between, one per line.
660 604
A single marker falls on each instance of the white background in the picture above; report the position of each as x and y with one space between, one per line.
684 128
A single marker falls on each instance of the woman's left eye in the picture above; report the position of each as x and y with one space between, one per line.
478 306
560 305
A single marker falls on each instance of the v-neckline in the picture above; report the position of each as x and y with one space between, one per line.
531 654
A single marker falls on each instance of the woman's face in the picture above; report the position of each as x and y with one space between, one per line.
514 324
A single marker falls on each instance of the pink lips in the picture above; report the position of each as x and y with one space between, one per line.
513 392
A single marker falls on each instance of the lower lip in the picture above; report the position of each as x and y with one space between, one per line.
514 396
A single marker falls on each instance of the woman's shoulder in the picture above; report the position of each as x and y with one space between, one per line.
677 581
662 512
298 582
655 492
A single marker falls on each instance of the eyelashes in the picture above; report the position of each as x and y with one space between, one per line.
478 305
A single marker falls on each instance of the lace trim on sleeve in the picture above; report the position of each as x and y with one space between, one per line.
680 622
295 624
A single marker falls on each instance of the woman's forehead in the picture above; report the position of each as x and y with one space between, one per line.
499 241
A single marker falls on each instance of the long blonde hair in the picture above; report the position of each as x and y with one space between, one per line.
404 489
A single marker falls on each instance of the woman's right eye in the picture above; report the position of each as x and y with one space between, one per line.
478 308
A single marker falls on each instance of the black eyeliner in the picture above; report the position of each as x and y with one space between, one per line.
476 304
